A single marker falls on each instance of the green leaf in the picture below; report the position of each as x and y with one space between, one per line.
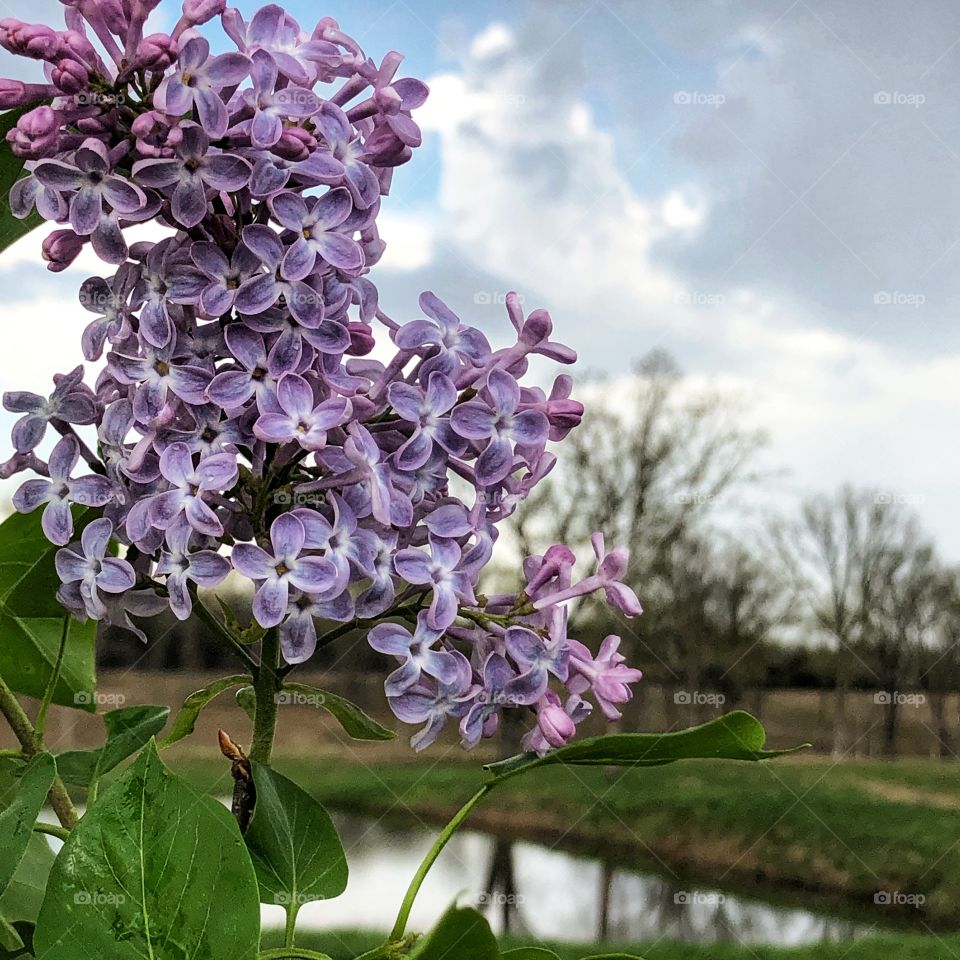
31 618
353 720
186 720
736 736
153 870
17 820
461 934
20 903
128 729
247 701
296 852
613 956
11 168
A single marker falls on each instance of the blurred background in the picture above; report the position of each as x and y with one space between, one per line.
744 217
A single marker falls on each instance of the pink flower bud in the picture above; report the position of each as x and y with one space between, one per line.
34 40
295 144
156 52
362 340
36 134
13 93
69 76
60 249
200 11
75 43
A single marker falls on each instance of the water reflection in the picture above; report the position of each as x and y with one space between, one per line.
528 889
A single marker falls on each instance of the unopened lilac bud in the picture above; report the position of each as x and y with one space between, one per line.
60 249
13 93
156 134
36 134
70 76
537 328
34 40
156 52
75 43
295 144
362 340
200 11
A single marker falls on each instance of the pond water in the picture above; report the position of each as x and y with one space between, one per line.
548 894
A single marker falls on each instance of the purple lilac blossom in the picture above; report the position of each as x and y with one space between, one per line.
243 420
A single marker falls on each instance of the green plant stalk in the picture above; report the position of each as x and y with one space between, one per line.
442 839
291 928
24 731
266 686
295 953
211 621
41 723
51 830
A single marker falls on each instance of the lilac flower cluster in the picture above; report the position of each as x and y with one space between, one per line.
241 421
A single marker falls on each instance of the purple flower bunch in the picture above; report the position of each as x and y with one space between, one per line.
241 423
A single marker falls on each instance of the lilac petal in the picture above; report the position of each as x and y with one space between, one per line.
528 688
316 528
70 567
155 325
415 452
441 665
209 258
226 172
412 707
413 565
91 491
227 69
289 210
530 428
123 196
264 244
267 179
217 472
285 354
305 304
257 294
246 346
202 517
298 638
446 553
340 251
265 25
524 645
230 389
176 464
157 173
295 395
332 412
328 337
473 420
166 507
115 575
495 463
434 307
299 259
208 568
78 408
450 520
504 391
28 431
30 494
216 300
57 522
58 176
402 679
253 561
211 112
22 401
265 130
390 638
313 575
270 602
287 536
332 208
190 383
85 210
406 399
181 603
441 393
173 97
275 427
63 458
108 242
189 203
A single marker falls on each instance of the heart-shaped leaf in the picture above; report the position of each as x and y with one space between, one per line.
295 848
354 721
461 934
17 820
186 720
736 736
128 729
154 869
31 618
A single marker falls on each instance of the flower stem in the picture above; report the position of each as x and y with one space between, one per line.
295 953
444 836
51 830
265 689
41 722
289 932
25 733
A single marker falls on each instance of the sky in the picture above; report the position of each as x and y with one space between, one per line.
770 191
